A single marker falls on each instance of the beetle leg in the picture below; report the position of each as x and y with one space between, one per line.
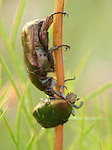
73 112
49 87
60 90
55 92
70 79
53 98
64 13
78 106
56 48
44 38
51 92
46 24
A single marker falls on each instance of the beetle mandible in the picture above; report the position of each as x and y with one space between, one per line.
37 57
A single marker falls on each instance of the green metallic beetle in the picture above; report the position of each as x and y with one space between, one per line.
54 111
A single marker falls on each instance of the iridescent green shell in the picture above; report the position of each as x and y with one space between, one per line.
52 113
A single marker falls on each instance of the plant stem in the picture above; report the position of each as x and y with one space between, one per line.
58 56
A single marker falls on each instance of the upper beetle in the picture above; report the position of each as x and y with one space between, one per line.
37 57
54 111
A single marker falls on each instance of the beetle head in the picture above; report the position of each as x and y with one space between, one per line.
71 97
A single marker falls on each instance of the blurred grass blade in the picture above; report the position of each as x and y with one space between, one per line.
15 88
108 116
78 69
17 21
0 75
86 118
28 146
6 69
3 114
81 62
4 93
18 119
40 135
82 127
4 102
80 65
10 50
87 131
98 91
49 139
1 4
29 97
10 131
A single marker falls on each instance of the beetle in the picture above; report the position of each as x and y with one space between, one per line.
54 111
38 58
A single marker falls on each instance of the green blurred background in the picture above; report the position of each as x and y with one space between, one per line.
88 29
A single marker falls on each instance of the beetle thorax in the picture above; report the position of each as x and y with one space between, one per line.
42 57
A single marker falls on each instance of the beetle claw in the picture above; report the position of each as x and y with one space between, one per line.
62 86
78 106
70 79
67 48
65 13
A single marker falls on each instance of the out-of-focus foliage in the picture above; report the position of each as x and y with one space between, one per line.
88 31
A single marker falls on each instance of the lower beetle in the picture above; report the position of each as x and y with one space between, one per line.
54 111
37 57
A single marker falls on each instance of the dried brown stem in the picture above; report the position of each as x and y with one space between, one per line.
58 56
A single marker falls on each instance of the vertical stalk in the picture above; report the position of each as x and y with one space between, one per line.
58 56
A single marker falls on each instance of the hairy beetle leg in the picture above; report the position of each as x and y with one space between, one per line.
46 24
60 90
60 95
56 48
70 79
55 92
54 98
43 35
59 12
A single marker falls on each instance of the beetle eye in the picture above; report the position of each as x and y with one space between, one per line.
44 54
40 55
